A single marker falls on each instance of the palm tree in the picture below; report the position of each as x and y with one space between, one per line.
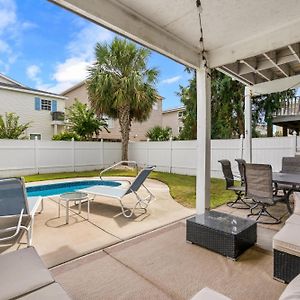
10 128
120 85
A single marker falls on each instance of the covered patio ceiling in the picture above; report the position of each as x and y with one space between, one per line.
255 42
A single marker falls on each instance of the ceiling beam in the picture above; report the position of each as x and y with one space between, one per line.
227 71
283 56
118 18
262 42
252 64
295 51
273 59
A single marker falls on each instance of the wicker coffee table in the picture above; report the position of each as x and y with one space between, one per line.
222 233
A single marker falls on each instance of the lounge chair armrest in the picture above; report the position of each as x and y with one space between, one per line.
124 180
118 164
297 203
16 229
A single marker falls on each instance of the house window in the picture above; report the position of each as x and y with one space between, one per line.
33 136
180 114
46 104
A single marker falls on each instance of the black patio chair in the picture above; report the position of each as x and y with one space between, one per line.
239 190
241 165
259 187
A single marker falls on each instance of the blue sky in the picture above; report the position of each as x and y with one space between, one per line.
46 47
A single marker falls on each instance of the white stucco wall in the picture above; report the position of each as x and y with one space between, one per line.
23 104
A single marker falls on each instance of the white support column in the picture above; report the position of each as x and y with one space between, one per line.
248 125
203 140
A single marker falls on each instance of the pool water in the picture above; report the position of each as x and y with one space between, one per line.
65 187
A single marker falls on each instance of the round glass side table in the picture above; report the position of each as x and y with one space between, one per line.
75 197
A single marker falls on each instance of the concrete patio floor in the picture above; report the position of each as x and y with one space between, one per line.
57 242
162 265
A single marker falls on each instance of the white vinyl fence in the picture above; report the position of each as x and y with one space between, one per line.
180 156
22 157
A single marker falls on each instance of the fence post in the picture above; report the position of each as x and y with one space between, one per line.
102 153
171 159
36 160
294 143
147 152
242 145
73 153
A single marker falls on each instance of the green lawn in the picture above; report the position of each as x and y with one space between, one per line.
182 187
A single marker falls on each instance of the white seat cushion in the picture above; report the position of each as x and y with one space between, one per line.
21 272
287 239
49 292
292 291
293 219
209 294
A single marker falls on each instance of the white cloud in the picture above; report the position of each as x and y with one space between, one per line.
72 70
11 34
32 72
171 80
7 14
81 54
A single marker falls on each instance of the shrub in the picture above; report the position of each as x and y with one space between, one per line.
66 136
158 133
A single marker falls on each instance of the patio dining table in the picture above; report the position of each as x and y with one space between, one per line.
292 180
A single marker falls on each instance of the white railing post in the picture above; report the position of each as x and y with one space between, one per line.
36 159
242 145
294 143
73 154
171 159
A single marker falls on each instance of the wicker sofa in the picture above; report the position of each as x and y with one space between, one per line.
286 246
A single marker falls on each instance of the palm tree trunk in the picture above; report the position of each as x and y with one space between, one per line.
124 121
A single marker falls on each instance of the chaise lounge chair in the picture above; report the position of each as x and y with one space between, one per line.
120 193
16 211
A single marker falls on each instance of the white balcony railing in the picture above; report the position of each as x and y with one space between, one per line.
289 107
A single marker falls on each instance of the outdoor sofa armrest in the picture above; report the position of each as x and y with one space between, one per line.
296 203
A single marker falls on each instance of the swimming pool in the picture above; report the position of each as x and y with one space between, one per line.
65 187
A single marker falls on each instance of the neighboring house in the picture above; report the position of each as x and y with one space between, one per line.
138 130
44 110
173 118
